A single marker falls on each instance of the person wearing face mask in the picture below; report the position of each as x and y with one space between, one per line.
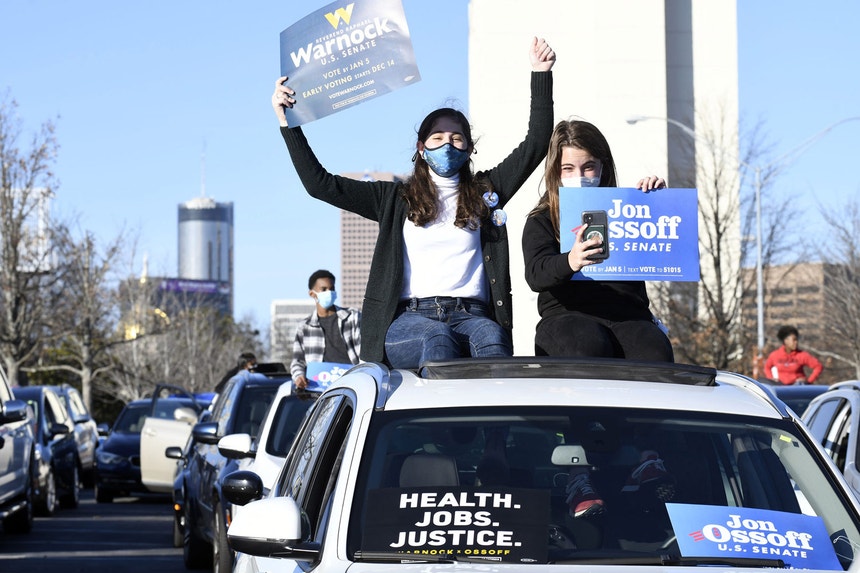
584 318
439 284
330 334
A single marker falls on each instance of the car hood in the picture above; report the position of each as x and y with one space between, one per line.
122 444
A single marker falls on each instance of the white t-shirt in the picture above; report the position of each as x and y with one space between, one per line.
441 259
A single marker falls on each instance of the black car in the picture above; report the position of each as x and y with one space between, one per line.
56 467
241 407
86 431
118 456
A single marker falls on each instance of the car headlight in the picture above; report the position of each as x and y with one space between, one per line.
109 459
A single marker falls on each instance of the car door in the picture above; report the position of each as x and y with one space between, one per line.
311 472
166 425
832 420
85 428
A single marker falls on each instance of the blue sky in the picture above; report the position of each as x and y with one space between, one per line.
139 91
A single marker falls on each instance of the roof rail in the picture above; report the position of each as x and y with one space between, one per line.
553 367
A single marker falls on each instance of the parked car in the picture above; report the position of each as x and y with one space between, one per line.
118 457
241 407
834 419
17 456
57 468
480 464
166 426
86 431
797 396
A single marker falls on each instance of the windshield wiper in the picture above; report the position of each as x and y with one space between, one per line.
393 557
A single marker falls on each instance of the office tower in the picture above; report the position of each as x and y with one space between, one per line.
206 248
286 315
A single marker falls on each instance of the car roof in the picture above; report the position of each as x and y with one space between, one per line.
530 381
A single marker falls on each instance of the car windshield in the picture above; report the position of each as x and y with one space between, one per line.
519 484
131 418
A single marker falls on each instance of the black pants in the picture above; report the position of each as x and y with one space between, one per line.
578 334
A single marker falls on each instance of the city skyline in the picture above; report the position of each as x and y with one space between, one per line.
140 93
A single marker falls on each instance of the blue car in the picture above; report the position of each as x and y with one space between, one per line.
241 407
56 474
118 456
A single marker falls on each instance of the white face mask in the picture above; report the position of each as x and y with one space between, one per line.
580 182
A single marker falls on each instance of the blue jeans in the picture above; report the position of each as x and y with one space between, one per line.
441 328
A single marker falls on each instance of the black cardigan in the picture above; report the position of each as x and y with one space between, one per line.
382 201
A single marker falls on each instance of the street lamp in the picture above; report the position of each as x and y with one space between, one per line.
782 161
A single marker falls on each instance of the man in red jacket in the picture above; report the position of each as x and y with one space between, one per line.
786 363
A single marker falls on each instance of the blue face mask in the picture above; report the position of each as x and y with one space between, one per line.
326 298
446 160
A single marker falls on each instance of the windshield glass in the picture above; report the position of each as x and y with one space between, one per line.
578 485
131 418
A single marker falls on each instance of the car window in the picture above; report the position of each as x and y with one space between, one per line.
75 404
315 463
819 420
55 412
288 416
131 419
251 411
527 461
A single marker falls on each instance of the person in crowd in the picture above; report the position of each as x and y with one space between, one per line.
439 284
330 334
246 361
610 319
584 318
787 364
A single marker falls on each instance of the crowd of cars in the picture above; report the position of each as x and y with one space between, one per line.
482 463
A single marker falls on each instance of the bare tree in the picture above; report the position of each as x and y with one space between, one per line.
706 319
28 273
842 304
86 325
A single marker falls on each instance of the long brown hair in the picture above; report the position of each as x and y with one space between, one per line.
421 194
581 135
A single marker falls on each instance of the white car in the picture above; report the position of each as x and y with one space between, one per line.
265 456
833 418
562 465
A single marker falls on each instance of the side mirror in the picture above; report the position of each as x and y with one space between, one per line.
174 453
184 414
236 446
103 429
242 487
57 429
13 411
271 527
206 432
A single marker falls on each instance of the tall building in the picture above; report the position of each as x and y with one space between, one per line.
206 247
685 72
286 315
357 240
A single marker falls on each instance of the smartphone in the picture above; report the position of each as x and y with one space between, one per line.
596 224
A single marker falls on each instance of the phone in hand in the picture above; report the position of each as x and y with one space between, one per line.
596 223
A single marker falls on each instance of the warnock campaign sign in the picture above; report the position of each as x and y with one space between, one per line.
489 524
801 541
653 236
344 54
